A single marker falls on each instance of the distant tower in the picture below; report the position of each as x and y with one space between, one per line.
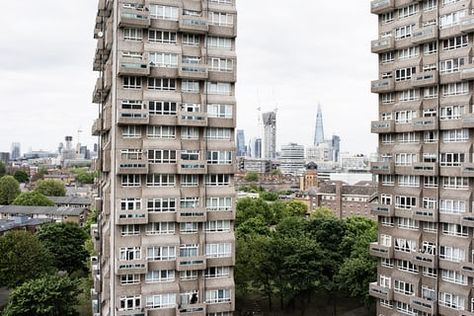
15 151
269 135
258 148
241 152
336 147
319 130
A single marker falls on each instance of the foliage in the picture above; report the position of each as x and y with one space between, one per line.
21 176
32 199
322 212
251 176
269 196
83 176
252 188
296 208
9 190
47 296
42 171
51 187
276 172
3 169
23 258
66 242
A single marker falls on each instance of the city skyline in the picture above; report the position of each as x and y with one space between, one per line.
313 80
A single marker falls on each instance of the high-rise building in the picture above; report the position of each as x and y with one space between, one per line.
335 144
255 148
319 128
241 147
292 159
166 94
425 168
15 151
269 135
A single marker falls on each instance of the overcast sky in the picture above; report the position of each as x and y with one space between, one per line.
291 55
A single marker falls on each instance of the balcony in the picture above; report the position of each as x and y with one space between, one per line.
381 292
134 312
467 170
193 71
425 79
424 305
467 220
425 169
382 6
193 24
383 85
133 67
467 24
192 166
132 267
132 217
425 123
125 166
191 263
424 260
379 127
380 251
425 35
198 119
382 210
467 72
468 120
134 18
425 215
133 117
97 127
382 167
191 215
191 310
383 45
467 268
100 92
466 313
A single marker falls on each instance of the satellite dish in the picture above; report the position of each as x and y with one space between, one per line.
100 34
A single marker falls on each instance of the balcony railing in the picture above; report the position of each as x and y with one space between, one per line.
382 167
424 169
130 67
468 119
191 310
97 127
383 45
191 215
383 85
424 305
425 123
197 119
383 127
382 6
424 35
381 292
425 215
133 117
193 24
467 24
467 72
132 166
191 263
424 260
132 217
425 79
193 71
134 18
132 267
381 251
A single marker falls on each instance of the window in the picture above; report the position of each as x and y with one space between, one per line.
189 132
132 82
451 253
160 276
408 95
453 277
163 205
163 12
131 34
189 251
190 155
455 42
219 43
430 227
189 180
218 226
405 159
452 206
404 117
409 181
221 64
219 110
218 180
455 230
430 92
160 180
188 275
451 19
407 138
164 253
387 263
162 108
385 281
128 279
189 202
191 39
161 156
388 57
128 303
132 104
217 272
405 202
161 301
168 60
405 265
407 223
404 31
430 137
407 11
451 65
162 37
221 19
131 180
456 183
219 88
162 84
190 86
163 132
386 221
405 245
218 296
130 230
387 139
430 48
219 203
188 228
160 228
451 159
408 53
429 5
131 131
218 250
451 300
453 112
387 98
386 17
130 254
455 135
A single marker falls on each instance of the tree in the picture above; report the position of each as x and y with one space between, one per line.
3 169
66 242
9 190
269 196
21 176
251 176
322 212
51 188
23 257
32 199
296 208
84 177
47 296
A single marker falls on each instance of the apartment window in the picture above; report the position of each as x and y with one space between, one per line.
131 131
219 203
429 5
430 227
455 42
158 156
429 203
219 110
405 265
131 180
219 88
387 263
387 98
132 105
452 206
405 245
453 112
130 254
161 301
409 181
430 48
218 226
386 116
407 11
189 202
162 205
130 82
388 57
160 228
408 95
163 132
453 277
128 303
164 253
385 199
405 202
219 43
217 272
406 138
404 73
163 12
456 183
162 84
189 251
188 275
190 86
218 296
189 180
405 159
451 65
130 230
407 223
131 34
162 108
188 228
387 17
451 300
168 60
385 281
191 39
386 221
430 93
404 31
385 240
387 179
190 132
221 64
404 117
387 139
455 230
451 253
428 248
217 180
451 19
218 250
451 159
162 37
131 154
131 204
129 279
408 53
455 135
160 180
160 276
193 60
190 155
221 19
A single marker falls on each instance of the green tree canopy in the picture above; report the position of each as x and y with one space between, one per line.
47 296
65 241
269 196
296 208
251 176
21 176
51 188
23 257
32 199
3 169
9 190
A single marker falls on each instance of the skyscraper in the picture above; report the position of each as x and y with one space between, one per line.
335 143
15 151
425 167
319 128
269 135
166 94
292 159
241 147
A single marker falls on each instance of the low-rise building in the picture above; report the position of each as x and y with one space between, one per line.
71 201
22 223
58 214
